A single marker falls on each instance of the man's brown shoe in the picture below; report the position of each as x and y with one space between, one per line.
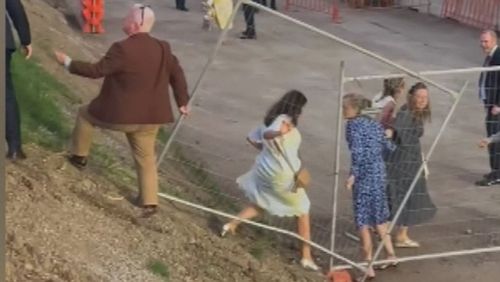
78 161
149 210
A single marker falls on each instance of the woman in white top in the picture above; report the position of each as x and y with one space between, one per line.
269 184
387 100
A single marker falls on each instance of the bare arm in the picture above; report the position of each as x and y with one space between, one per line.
256 145
278 128
272 134
386 116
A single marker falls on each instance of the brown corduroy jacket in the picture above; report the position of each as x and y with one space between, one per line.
137 74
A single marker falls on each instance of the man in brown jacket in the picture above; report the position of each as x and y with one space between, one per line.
134 97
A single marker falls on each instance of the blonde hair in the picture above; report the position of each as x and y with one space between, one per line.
357 102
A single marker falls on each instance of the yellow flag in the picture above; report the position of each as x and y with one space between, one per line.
223 10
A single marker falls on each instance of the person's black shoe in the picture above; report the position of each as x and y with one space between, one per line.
248 35
488 182
78 161
184 9
17 155
492 174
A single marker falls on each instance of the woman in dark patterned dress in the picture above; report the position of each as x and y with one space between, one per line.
367 142
404 163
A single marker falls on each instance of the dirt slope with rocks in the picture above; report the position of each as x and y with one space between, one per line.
67 225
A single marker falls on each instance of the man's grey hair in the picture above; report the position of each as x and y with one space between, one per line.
491 32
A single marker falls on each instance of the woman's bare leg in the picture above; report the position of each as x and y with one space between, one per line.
402 234
366 241
304 230
247 213
386 239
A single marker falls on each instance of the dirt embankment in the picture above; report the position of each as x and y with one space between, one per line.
67 225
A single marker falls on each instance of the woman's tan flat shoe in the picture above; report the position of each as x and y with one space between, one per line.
408 243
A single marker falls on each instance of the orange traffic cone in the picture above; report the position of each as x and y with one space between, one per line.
339 276
93 15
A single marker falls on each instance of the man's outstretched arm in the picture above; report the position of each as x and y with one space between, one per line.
109 64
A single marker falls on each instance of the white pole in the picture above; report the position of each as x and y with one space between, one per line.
352 45
427 73
337 161
417 176
209 62
428 256
263 226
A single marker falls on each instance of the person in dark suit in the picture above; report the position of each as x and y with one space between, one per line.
489 93
14 11
134 98
249 14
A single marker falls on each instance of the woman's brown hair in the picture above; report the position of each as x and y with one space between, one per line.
419 115
392 86
290 104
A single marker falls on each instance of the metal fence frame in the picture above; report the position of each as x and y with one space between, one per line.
456 100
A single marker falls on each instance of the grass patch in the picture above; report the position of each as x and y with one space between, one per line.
42 120
259 247
102 156
40 96
160 269
106 161
197 174
163 136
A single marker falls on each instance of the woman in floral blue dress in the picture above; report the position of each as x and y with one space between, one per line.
367 142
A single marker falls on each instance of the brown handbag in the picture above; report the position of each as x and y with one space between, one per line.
302 177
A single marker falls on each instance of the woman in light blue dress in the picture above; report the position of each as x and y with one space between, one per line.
269 184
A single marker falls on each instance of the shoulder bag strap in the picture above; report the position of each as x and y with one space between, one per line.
278 147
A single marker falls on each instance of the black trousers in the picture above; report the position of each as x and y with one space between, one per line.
12 116
249 13
273 4
492 127
180 4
